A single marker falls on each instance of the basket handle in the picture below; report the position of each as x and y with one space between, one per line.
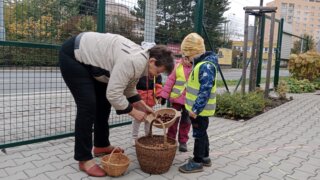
177 114
113 152
164 131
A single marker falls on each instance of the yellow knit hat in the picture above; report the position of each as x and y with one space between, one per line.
192 45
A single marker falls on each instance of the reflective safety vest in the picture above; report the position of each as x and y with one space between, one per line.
193 87
180 83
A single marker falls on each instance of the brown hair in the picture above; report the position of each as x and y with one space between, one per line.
164 57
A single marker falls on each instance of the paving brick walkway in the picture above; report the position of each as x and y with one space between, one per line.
283 143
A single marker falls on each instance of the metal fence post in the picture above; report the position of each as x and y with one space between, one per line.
2 28
245 47
252 76
262 26
266 90
150 21
278 54
199 17
101 26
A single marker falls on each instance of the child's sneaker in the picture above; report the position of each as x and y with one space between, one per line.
191 167
183 147
206 161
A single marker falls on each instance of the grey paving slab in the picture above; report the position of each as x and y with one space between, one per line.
40 177
16 176
39 170
3 173
282 143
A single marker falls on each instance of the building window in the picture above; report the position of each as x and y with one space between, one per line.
266 49
284 5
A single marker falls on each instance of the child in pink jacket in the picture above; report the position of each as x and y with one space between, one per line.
174 90
149 91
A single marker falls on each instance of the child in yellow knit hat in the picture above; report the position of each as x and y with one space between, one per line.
200 98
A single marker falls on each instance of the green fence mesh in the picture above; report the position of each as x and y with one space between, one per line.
35 104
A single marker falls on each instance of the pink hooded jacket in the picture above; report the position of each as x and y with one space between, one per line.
166 90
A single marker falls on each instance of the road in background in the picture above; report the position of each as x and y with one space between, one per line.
24 81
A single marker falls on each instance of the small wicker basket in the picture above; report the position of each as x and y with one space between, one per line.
155 153
115 164
163 111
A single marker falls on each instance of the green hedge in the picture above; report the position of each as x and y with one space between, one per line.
22 56
301 86
237 106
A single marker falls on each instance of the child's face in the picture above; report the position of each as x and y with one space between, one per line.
187 61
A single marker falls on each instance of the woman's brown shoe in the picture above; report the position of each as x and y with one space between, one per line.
93 170
100 151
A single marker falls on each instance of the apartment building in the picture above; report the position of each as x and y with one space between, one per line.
303 15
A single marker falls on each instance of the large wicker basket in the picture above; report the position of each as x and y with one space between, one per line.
155 153
115 164
163 111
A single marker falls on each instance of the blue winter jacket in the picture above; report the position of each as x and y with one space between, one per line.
207 74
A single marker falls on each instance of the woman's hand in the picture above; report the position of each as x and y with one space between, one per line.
149 110
138 115
142 106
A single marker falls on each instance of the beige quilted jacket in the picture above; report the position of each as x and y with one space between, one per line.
117 61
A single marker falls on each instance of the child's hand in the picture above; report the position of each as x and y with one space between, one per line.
161 101
192 114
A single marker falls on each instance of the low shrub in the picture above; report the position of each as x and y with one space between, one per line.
282 89
238 106
300 86
305 66
316 84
